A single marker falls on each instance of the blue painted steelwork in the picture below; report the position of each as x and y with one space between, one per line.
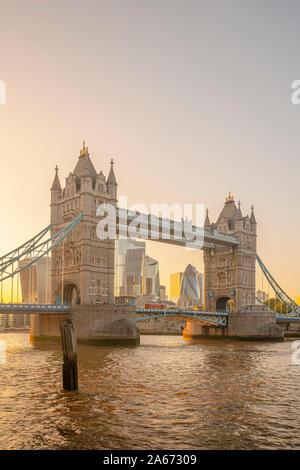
287 318
214 318
34 308
24 247
32 246
281 317
278 290
264 305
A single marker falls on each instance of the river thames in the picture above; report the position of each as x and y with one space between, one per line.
166 393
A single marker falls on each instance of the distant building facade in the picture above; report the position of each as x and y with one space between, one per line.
35 281
162 293
137 274
130 255
191 288
175 283
152 277
262 296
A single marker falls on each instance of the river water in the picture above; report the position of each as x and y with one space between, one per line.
166 393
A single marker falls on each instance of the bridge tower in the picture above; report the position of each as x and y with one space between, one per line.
230 271
87 276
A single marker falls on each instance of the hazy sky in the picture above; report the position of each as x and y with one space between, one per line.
191 98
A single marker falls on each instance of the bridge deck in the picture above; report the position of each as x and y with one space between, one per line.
202 318
34 308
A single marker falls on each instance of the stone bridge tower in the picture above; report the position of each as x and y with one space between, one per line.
230 271
87 276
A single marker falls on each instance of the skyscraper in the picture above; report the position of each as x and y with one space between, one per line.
175 283
35 281
191 288
136 273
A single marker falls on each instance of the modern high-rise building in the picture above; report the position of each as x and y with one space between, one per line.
187 287
129 259
152 276
35 281
136 273
191 288
175 283
162 293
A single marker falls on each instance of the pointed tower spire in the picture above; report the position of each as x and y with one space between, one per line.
111 180
56 183
207 221
252 217
239 209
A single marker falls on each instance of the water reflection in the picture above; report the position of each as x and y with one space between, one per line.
166 393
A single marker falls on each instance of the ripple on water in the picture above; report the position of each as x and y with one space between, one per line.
166 393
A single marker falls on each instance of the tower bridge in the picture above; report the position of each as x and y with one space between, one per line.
88 263
82 265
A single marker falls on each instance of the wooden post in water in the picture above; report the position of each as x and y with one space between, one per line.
69 347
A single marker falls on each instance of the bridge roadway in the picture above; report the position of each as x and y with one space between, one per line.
216 319
34 308
170 231
201 318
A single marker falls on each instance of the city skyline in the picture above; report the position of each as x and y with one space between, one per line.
235 129
149 247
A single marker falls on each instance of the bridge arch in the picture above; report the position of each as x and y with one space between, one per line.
71 294
224 304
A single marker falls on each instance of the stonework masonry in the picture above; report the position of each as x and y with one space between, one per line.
246 325
230 271
82 267
157 326
93 324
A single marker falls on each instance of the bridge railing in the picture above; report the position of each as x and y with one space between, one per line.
179 311
284 317
33 307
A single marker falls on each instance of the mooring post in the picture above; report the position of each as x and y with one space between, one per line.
69 348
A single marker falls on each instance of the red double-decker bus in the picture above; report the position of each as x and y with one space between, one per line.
155 306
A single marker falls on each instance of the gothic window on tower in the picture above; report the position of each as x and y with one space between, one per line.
93 286
104 286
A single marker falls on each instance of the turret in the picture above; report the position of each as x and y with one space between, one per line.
112 182
55 197
56 187
253 225
239 219
252 217
239 209
207 221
